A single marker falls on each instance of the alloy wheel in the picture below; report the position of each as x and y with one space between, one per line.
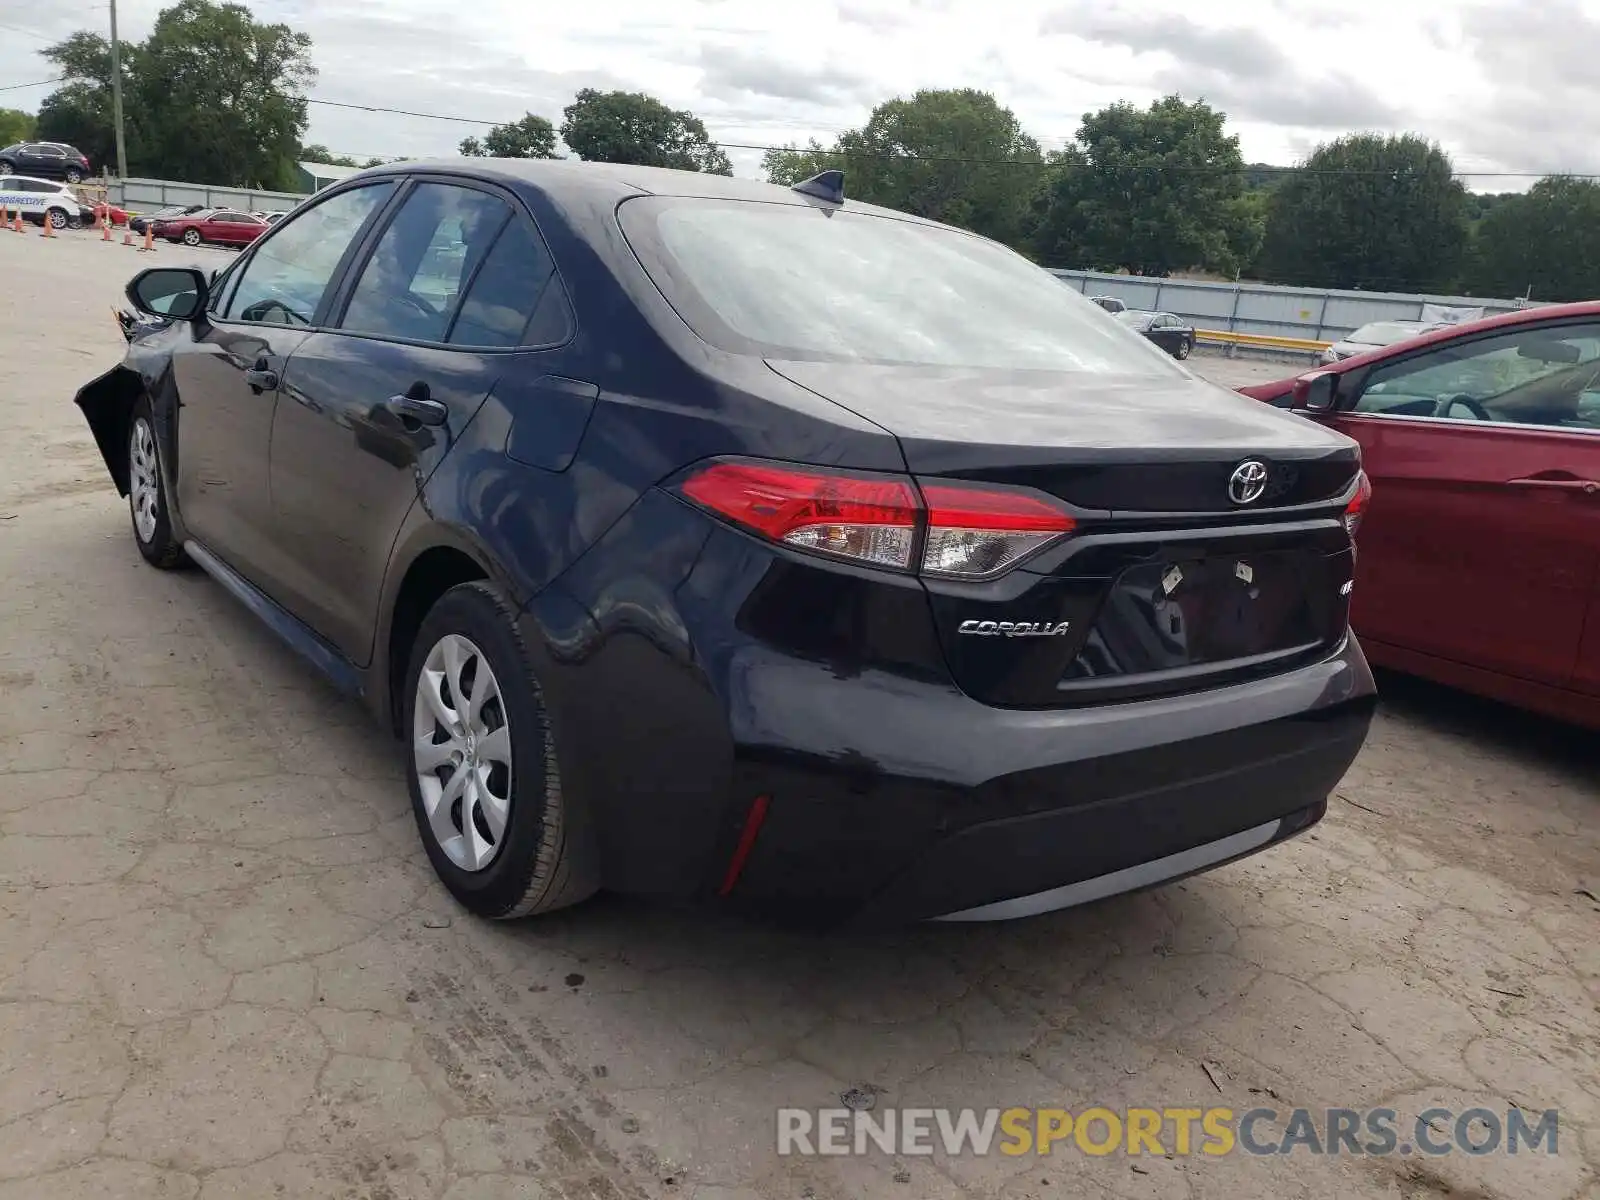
58 219
191 237
461 749
144 492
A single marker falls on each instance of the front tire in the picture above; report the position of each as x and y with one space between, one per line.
486 790
147 495
191 237
58 218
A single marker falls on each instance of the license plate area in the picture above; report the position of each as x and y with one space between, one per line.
1171 618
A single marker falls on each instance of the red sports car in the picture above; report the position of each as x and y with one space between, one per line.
1480 551
223 226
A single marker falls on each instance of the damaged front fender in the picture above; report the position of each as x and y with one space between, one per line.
107 404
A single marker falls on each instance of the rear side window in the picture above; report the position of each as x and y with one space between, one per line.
284 280
516 283
795 281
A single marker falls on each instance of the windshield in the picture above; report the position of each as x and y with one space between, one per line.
796 281
1383 333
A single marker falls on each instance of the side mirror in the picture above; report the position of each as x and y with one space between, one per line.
1316 392
177 293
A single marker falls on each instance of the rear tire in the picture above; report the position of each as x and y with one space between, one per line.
74 175
191 237
7 167
1183 349
480 753
147 494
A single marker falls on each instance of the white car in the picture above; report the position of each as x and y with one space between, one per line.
40 200
1372 336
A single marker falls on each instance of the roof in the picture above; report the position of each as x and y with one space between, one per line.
572 175
1589 309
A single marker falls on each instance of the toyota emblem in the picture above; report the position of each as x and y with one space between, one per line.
1248 481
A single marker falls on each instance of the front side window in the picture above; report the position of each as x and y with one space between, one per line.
410 286
1529 376
284 280
796 281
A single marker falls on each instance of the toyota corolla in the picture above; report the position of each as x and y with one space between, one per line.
703 538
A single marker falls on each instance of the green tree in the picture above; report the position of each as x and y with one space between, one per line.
1368 211
211 96
956 156
531 137
1150 191
630 127
321 154
15 126
1544 243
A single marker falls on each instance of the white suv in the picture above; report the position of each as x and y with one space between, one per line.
40 200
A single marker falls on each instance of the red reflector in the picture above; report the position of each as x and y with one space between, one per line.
872 520
955 507
747 842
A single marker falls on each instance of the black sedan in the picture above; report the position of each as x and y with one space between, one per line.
1172 333
704 538
171 213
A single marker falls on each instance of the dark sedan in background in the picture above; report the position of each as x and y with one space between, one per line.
171 212
704 538
1172 333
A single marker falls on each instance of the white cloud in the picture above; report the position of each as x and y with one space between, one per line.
1504 85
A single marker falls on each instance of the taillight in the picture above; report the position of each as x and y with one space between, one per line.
975 532
1357 508
969 531
868 519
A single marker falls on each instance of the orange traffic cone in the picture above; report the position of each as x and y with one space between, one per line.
17 225
127 237
105 228
48 230
149 238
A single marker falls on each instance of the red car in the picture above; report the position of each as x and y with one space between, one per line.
1480 549
223 226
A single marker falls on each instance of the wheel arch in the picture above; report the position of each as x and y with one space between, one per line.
431 569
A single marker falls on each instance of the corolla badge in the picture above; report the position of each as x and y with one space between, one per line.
1014 628
1248 481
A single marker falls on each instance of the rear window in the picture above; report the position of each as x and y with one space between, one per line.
800 282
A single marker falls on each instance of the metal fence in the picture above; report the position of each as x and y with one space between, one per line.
1264 308
144 195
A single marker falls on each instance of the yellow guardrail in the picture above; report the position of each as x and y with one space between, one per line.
1261 340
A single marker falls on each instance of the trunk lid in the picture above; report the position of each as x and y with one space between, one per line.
1126 443
1168 584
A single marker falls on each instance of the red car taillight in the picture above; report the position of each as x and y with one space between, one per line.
1357 508
968 531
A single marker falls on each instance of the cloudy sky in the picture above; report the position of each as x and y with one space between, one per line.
1504 85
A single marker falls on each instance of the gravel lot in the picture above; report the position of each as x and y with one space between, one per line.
227 972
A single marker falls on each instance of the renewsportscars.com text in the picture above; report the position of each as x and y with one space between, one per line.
1163 1131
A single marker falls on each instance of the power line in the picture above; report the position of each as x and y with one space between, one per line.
33 33
17 87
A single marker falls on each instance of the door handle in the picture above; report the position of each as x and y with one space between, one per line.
261 377
419 410
1587 486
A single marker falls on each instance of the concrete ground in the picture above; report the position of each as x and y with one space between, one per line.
226 971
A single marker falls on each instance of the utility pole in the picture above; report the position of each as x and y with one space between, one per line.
116 96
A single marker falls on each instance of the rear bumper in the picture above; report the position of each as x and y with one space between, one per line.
989 814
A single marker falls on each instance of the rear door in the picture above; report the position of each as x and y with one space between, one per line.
431 321
1482 543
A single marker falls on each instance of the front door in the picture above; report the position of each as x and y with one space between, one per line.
369 411
1482 544
229 373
